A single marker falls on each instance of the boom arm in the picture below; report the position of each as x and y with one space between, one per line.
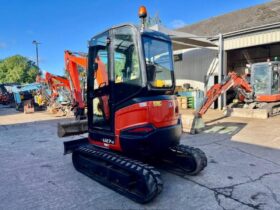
72 61
56 81
233 80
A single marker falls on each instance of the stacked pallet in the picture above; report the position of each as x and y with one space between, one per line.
185 102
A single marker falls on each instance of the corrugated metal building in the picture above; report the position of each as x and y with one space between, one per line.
253 36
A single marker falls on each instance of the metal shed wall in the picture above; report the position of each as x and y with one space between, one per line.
252 39
195 65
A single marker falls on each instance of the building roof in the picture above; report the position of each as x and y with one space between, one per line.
242 19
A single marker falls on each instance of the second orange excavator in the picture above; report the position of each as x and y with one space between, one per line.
55 92
261 91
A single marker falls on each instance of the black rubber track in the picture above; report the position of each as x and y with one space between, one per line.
184 160
131 178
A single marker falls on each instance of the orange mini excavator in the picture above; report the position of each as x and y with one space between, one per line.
58 99
263 88
54 82
260 91
142 128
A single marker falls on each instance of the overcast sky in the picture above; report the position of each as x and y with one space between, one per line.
68 24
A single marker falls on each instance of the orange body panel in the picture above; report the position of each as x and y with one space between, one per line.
268 98
157 113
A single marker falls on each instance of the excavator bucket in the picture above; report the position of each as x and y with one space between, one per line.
192 123
72 128
197 124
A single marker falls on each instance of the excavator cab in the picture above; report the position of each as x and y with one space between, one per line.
265 78
139 69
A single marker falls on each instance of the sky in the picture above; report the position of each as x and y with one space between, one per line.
68 24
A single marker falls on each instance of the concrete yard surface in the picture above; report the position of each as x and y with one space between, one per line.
242 173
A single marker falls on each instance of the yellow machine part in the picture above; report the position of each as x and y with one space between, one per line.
159 83
39 100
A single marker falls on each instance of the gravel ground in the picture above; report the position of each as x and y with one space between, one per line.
36 175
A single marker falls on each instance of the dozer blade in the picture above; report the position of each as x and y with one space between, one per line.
133 179
71 146
72 128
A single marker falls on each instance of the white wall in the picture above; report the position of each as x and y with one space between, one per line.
196 64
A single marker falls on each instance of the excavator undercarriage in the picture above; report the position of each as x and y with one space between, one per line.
140 182
137 179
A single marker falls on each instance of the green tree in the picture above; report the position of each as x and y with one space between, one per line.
18 69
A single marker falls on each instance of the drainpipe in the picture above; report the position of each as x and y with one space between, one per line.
221 99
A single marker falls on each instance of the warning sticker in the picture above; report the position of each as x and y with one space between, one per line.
157 103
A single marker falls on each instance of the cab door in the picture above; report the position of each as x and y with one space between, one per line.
127 78
100 119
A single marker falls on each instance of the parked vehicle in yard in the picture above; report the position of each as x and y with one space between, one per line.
56 93
260 92
5 96
24 97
